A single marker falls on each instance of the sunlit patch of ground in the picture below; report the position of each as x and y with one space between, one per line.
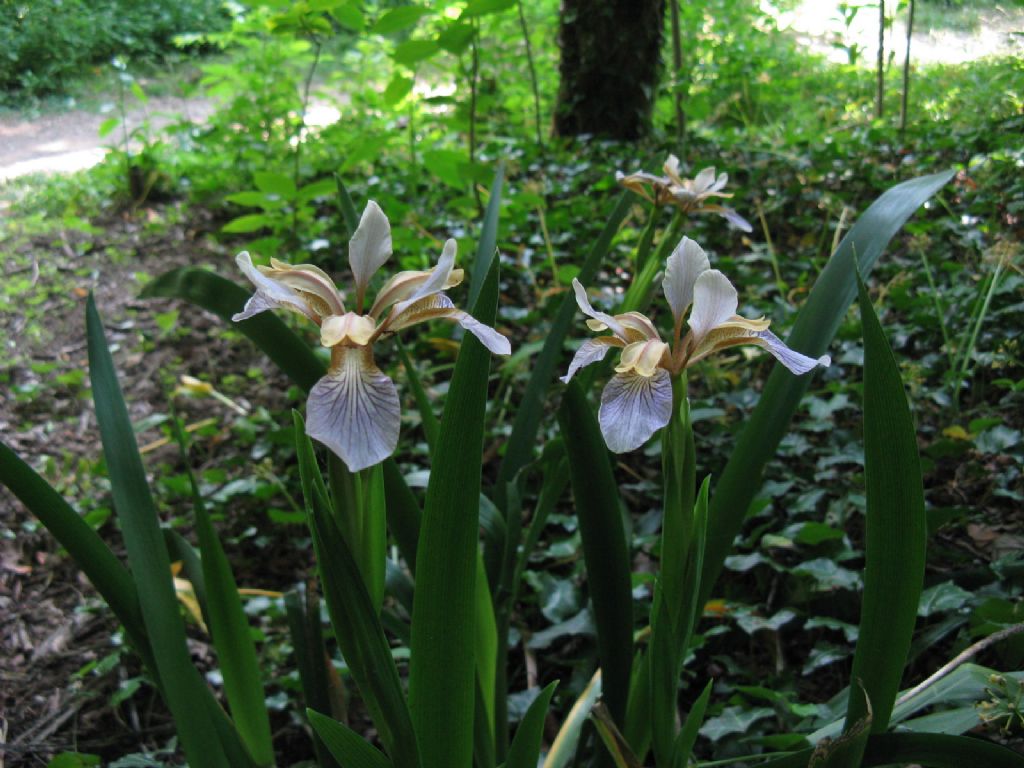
964 35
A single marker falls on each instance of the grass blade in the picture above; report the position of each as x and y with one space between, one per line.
485 249
348 747
236 653
224 298
896 530
525 748
403 512
442 664
348 209
605 550
147 556
812 332
687 737
303 610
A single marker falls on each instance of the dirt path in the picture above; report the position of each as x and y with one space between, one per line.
70 141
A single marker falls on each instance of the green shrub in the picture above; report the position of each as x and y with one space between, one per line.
47 42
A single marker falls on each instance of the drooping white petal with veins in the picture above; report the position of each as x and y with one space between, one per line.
797 363
270 294
729 215
686 263
440 307
714 302
590 351
607 321
633 408
354 410
370 246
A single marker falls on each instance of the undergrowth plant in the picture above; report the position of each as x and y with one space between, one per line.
444 595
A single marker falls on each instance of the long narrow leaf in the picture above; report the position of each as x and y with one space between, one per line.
687 737
354 616
525 748
236 653
485 249
147 556
349 748
605 550
442 664
303 610
812 332
896 530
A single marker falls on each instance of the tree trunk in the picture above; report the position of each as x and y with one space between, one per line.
611 52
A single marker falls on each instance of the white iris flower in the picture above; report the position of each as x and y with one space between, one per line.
354 409
688 195
637 402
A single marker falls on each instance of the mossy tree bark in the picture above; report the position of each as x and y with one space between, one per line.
611 56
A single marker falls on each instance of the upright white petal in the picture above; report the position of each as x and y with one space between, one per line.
354 410
370 246
436 282
590 351
270 294
703 181
687 262
794 361
584 304
633 408
714 302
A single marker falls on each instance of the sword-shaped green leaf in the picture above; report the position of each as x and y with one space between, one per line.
183 688
896 530
442 665
605 550
813 331
349 748
232 639
356 623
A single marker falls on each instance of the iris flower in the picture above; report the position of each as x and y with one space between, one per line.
354 409
637 402
688 195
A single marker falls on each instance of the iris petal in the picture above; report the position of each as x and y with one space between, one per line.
354 410
604 320
687 262
440 307
714 303
435 283
370 246
590 351
270 294
797 363
633 408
